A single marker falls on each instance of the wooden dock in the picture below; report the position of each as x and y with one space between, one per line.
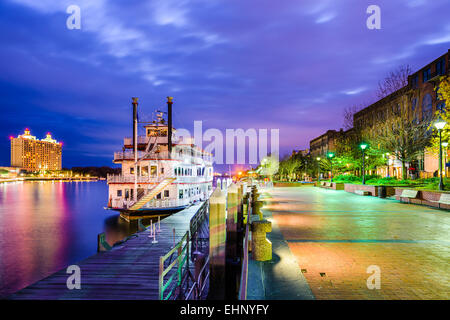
128 271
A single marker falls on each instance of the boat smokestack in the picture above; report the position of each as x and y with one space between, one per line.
169 115
135 120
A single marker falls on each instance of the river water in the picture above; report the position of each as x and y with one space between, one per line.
46 226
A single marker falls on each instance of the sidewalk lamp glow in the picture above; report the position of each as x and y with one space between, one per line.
445 145
330 155
439 124
318 168
363 147
387 154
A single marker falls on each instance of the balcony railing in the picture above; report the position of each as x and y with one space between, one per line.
129 155
112 178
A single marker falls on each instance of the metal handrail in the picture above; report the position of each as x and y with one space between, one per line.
199 285
180 261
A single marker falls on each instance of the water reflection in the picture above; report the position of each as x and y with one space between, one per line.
45 226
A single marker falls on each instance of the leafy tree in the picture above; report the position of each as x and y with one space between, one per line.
444 94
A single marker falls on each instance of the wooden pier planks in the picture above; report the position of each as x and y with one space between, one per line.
128 271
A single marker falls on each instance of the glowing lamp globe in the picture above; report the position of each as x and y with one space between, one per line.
439 124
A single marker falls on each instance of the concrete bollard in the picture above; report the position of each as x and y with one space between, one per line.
261 246
217 239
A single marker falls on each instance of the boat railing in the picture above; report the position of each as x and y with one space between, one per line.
162 155
166 203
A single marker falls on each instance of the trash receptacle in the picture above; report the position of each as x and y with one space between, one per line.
382 192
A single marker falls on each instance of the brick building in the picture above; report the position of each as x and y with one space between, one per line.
418 100
326 142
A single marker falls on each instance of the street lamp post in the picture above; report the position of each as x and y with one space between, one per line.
445 145
318 169
363 146
331 156
439 125
387 154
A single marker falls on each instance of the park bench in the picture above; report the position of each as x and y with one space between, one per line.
362 192
443 199
327 184
322 183
409 194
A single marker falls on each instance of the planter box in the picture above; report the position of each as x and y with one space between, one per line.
293 184
337 186
372 189
331 185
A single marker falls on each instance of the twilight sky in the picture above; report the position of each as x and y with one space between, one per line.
292 65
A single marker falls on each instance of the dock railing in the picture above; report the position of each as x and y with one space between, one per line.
178 256
176 281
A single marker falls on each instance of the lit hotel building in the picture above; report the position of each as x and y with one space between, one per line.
32 154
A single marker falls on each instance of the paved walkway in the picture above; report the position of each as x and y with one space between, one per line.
334 236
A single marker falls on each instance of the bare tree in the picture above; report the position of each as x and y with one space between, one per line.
349 112
394 81
403 138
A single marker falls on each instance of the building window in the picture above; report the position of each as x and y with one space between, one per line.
426 74
166 193
413 104
440 67
119 193
440 106
427 107
415 81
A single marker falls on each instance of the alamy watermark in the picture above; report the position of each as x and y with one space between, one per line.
74 20
374 20
235 146
374 280
74 280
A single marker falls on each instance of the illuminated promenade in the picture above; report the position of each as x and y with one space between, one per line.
335 236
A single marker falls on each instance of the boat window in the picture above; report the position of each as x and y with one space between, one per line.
131 170
162 169
144 171
127 193
166 193
158 196
119 193
180 194
153 171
